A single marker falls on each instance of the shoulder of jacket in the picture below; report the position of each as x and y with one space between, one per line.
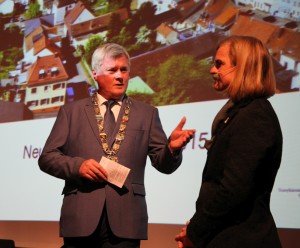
141 104
80 102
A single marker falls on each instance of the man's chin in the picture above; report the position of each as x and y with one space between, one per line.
118 93
219 86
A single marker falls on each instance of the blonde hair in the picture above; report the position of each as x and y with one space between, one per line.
254 75
109 49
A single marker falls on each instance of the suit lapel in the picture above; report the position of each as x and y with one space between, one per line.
232 113
90 114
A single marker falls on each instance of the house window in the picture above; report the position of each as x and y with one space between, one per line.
46 88
57 99
59 86
45 101
54 71
42 74
56 86
33 91
32 104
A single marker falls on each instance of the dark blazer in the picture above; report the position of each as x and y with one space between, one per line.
233 207
75 138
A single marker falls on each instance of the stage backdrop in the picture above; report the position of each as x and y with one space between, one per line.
45 63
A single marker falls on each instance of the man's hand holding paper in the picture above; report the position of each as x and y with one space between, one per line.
116 173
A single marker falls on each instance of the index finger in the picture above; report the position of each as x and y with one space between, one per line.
181 123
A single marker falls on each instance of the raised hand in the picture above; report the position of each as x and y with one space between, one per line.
179 137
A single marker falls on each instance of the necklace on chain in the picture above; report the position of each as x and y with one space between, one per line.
111 153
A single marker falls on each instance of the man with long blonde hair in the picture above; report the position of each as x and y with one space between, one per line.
244 154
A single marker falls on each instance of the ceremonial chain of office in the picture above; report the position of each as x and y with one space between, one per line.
111 154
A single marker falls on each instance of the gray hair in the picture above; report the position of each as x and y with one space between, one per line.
109 49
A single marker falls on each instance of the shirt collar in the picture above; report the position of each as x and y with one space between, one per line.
101 99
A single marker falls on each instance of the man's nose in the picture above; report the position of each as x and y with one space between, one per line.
213 70
118 74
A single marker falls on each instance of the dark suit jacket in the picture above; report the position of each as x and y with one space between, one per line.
233 207
75 138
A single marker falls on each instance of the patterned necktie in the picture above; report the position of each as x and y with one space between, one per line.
109 119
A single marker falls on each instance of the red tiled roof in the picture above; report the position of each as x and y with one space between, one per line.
164 29
287 41
97 23
260 29
52 68
73 14
227 16
43 43
214 8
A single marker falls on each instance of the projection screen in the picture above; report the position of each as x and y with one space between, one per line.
45 64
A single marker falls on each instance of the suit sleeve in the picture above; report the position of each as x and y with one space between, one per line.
53 159
160 155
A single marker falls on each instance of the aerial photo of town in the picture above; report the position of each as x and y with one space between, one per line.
46 48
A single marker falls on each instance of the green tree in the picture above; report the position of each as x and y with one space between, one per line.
1 57
14 35
114 4
142 39
80 51
117 4
114 27
143 35
173 81
33 11
123 38
145 14
11 56
90 46
19 9
145 41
